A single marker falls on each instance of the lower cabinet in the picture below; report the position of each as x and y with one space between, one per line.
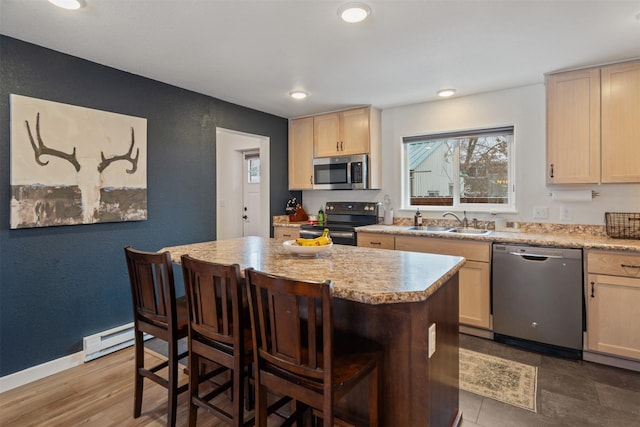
375 240
474 276
286 233
613 301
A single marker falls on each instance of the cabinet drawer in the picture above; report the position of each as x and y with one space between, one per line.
616 264
286 233
472 251
380 241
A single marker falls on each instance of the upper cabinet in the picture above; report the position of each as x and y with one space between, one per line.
301 154
342 133
621 122
573 127
593 125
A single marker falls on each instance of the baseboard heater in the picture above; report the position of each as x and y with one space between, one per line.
105 342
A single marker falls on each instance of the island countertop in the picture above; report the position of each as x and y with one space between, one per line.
370 276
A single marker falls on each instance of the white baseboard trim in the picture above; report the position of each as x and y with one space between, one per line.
43 370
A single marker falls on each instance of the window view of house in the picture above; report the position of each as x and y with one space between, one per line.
457 169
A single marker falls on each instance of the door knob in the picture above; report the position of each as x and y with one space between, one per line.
244 217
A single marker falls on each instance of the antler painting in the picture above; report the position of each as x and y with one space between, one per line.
75 165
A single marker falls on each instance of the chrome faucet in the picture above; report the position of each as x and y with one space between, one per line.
464 221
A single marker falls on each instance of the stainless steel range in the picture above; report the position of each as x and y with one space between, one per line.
342 218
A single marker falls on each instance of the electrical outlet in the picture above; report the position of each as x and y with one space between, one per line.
565 214
432 339
540 213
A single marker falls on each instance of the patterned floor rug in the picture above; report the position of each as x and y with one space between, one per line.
499 379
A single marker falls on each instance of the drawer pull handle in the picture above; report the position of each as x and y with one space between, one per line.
376 243
629 266
593 290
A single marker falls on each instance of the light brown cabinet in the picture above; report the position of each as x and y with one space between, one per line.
612 292
285 233
620 97
342 133
375 240
474 276
301 153
573 127
593 125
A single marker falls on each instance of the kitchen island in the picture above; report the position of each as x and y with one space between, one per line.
392 297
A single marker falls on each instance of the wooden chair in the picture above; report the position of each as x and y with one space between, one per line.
219 332
297 353
156 311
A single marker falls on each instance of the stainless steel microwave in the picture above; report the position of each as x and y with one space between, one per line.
341 173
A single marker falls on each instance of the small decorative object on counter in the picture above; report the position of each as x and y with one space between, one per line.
321 216
300 215
292 203
417 219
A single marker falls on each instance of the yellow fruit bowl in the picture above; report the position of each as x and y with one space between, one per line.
293 247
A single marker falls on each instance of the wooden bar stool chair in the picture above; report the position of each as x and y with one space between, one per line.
219 332
157 312
297 353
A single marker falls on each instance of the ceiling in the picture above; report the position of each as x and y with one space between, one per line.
253 53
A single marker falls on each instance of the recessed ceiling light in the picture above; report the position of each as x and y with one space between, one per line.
446 92
68 4
298 94
354 12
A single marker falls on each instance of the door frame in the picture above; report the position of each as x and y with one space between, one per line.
230 148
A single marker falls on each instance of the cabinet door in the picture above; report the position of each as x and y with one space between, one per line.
374 240
301 154
475 294
621 122
286 233
355 131
573 127
613 319
474 276
327 135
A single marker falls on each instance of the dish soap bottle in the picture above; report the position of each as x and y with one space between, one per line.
320 216
417 219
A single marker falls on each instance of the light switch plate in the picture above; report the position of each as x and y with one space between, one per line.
565 214
432 339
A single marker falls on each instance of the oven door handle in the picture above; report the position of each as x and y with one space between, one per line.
337 234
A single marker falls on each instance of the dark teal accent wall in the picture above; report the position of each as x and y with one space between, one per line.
59 284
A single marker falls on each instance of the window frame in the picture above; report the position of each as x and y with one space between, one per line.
510 206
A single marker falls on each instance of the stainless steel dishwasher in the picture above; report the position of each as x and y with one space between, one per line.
538 298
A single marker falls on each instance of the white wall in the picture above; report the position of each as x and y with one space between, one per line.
522 107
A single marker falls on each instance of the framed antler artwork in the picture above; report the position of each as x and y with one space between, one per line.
74 165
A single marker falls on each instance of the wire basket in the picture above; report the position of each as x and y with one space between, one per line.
622 225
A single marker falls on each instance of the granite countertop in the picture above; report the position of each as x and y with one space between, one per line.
581 238
370 276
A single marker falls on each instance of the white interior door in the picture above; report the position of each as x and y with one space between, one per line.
231 147
251 194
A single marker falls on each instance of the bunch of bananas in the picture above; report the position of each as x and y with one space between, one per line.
318 241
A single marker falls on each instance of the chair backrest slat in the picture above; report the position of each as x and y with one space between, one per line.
152 286
291 321
214 298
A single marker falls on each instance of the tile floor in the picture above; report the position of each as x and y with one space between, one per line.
570 393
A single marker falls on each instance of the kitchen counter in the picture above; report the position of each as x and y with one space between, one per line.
358 274
391 297
572 240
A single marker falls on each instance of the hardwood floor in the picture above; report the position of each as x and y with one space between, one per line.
100 393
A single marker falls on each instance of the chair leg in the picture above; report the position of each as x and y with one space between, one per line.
194 380
261 405
173 383
139 379
238 395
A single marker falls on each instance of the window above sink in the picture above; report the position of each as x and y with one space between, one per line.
465 169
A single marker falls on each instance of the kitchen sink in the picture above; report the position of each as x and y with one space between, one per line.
466 230
431 228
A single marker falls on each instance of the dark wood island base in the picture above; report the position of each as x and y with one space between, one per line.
417 390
